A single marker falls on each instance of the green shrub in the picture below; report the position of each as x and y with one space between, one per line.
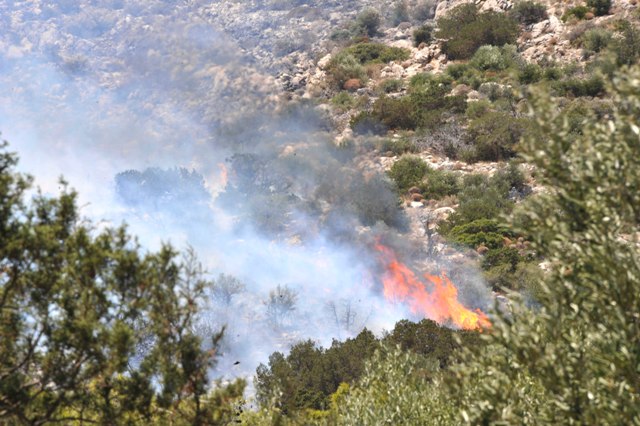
368 53
390 86
365 123
627 46
464 30
408 171
592 86
400 13
344 66
395 113
343 101
595 40
491 58
579 12
367 23
397 146
478 232
502 256
552 73
424 10
600 7
456 71
477 109
529 74
494 136
422 34
440 183
528 12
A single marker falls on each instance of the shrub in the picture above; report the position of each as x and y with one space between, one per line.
400 13
579 12
391 85
529 74
397 146
464 30
365 123
367 23
592 86
508 256
494 136
456 71
343 101
528 12
440 183
395 113
492 58
343 67
422 35
600 7
408 171
367 53
627 46
424 10
595 40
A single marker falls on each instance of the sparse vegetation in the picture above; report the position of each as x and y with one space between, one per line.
528 12
465 29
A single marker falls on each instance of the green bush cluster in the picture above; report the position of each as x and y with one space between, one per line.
367 53
494 58
600 7
408 171
465 29
390 85
307 377
578 12
397 146
577 87
367 23
343 67
422 34
493 136
439 184
528 12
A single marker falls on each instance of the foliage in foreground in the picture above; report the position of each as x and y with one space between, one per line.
91 329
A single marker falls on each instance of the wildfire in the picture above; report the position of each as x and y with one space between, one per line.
441 304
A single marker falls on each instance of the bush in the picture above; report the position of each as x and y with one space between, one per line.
368 53
627 46
593 86
485 232
397 146
395 113
595 40
390 86
424 10
343 67
422 35
494 136
408 171
492 58
367 23
456 71
440 183
508 256
464 30
528 12
579 12
600 7
400 13
343 101
529 74
365 123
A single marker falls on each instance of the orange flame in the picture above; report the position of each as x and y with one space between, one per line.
441 305
224 175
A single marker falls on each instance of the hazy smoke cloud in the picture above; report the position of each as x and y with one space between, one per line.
144 107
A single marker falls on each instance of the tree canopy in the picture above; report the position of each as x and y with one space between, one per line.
91 328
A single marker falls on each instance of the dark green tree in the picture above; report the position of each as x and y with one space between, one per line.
91 328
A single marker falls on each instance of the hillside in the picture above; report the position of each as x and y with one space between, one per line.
408 211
